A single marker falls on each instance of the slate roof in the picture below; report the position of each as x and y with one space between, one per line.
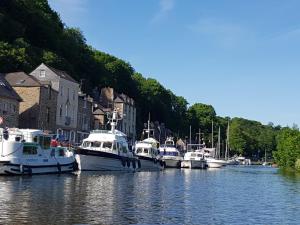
62 74
21 79
6 90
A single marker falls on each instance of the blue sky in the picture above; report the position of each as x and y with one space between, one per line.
242 57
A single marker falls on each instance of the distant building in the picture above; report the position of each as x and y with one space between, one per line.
9 104
67 99
109 100
127 110
100 116
84 116
36 109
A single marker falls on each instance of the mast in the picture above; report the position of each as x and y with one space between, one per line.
227 143
212 134
190 134
148 128
114 121
219 143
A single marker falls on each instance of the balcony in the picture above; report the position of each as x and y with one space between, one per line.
67 120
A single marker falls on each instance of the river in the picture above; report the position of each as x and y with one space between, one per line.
231 195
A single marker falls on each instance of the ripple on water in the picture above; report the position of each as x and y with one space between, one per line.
232 195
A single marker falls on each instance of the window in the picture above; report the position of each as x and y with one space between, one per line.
139 150
60 110
107 145
86 144
67 110
96 144
48 114
84 103
49 92
73 95
45 142
29 150
42 73
146 150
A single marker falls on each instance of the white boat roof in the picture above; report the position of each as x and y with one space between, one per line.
106 135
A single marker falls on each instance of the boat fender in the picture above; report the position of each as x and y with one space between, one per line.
161 163
139 164
128 163
58 167
123 162
133 164
75 166
21 168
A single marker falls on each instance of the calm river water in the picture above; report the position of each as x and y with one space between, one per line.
232 195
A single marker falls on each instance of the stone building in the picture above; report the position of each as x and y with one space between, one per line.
36 109
109 100
67 99
84 116
9 104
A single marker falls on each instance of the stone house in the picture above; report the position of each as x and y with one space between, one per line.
84 116
36 109
67 99
109 99
9 104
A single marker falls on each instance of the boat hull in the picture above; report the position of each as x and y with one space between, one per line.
150 164
194 164
214 163
172 163
7 168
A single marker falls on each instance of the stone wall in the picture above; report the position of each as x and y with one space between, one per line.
9 111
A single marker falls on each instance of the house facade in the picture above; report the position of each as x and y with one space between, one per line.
67 99
36 110
9 104
84 117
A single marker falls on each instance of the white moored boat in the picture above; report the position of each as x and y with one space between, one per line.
148 155
194 159
106 150
27 151
212 162
170 154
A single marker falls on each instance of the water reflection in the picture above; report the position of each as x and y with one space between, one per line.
223 196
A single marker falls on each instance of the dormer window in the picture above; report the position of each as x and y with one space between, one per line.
42 73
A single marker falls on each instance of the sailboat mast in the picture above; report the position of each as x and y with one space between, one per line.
190 134
219 143
212 134
148 131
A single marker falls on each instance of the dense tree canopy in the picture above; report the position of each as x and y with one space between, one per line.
32 33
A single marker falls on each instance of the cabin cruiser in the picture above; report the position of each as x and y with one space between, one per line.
28 151
170 154
212 162
194 158
106 150
148 155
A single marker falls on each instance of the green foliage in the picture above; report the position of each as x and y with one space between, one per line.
32 33
288 148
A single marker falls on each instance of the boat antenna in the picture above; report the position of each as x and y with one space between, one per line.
212 134
148 130
113 119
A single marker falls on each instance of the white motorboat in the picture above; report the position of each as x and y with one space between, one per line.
170 154
28 151
106 150
194 158
212 162
148 155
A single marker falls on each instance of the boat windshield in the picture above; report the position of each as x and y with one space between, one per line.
139 150
107 145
